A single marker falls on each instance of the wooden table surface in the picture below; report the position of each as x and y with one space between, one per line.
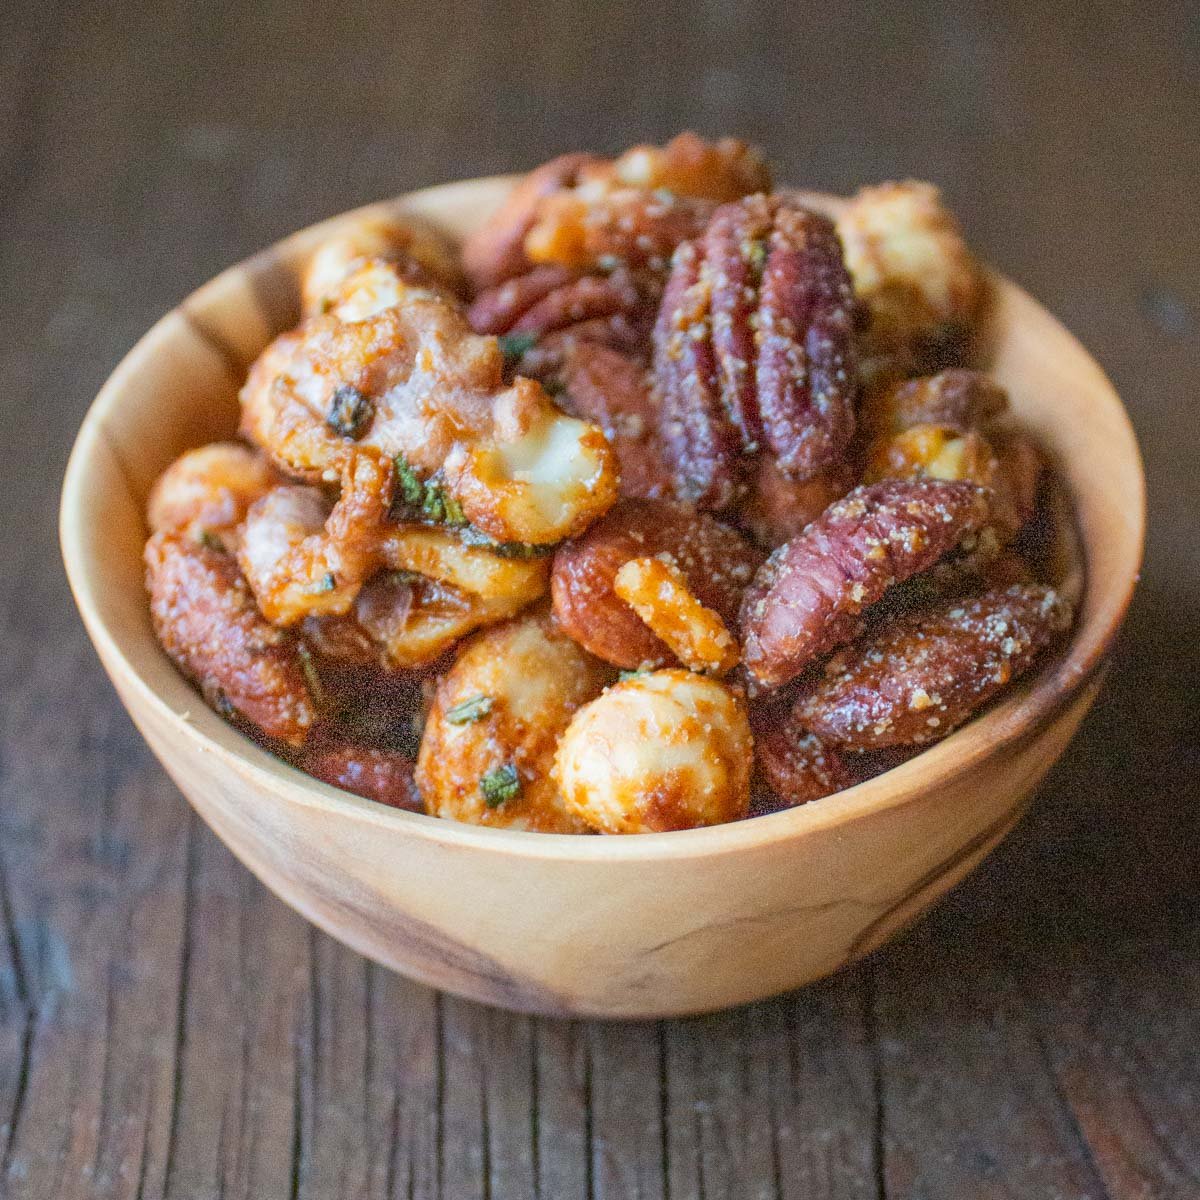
167 1028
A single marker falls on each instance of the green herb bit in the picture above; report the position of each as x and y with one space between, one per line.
501 784
467 712
624 675
350 412
312 680
521 550
326 583
756 256
210 541
514 345
409 488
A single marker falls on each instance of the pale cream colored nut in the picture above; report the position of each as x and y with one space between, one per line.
657 590
911 268
659 751
491 734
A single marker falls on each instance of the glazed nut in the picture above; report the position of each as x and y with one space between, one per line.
657 590
754 348
491 734
921 676
798 767
716 562
808 596
958 399
659 751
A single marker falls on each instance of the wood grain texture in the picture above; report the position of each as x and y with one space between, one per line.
1047 1011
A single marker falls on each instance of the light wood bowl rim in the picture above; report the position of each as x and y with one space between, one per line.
1032 707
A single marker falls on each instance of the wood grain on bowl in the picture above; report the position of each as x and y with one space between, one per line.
655 925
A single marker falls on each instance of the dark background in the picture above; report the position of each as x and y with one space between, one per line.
167 1028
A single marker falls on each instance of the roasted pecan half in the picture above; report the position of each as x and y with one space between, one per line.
544 313
806 599
797 766
611 390
753 348
922 676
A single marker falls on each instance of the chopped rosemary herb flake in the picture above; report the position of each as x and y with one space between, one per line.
466 712
350 412
501 784
409 488
210 541
514 345
624 675
326 583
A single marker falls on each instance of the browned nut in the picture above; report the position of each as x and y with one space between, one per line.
959 399
490 737
754 349
659 751
207 621
385 776
921 676
777 508
657 590
798 767
611 390
911 268
807 597
716 561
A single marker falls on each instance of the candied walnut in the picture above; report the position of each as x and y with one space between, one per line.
958 399
416 251
491 735
206 492
798 767
660 751
716 561
303 557
612 390
777 508
657 590
385 776
541 477
434 396
808 596
207 621
911 268
922 676
754 348
496 251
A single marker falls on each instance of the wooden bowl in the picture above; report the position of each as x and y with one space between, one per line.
656 925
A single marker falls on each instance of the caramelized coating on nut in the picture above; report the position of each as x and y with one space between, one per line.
777 508
932 452
412 380
496 251
911 268
659 751
491 735
754 348
798 767
807 597
612 390
206 492
957 399
657 590
206 619
305 558
636 210
716 561
385 776
922 676
556 309
418 253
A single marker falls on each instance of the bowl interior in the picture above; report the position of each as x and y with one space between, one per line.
177 388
